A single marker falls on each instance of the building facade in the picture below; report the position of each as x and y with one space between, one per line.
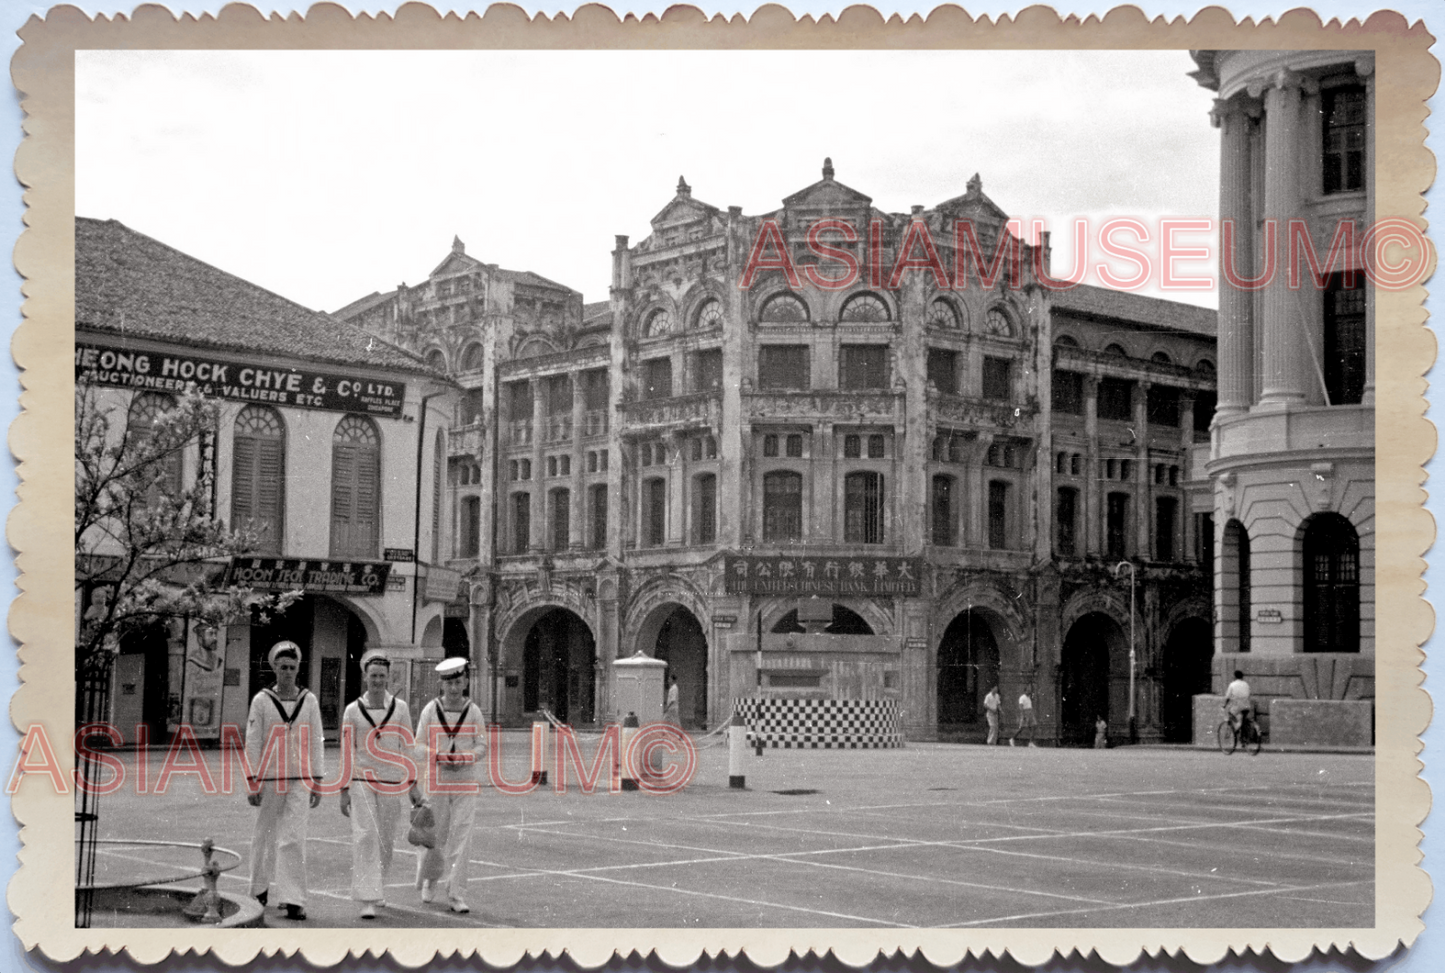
826 452
1292 459
325 445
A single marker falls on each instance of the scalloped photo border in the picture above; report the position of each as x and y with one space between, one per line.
42 618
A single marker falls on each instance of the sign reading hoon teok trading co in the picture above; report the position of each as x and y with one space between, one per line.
243 381
756 574
288 574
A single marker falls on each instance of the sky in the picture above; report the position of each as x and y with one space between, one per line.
325 176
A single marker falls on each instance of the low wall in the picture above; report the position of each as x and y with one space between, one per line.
821 724
1322 722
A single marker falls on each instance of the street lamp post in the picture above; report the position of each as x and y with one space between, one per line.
1133 722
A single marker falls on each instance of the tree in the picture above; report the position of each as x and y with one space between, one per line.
149 551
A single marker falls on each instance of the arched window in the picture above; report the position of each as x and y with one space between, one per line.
355 488
864 309
863 508
659 322
783 309
164 472
1331 585
1161 358
472 357
436 359
1066 341
1117 350
710 315
1205 369
998 323
1238 600
943 314
704 508
258 476
782 506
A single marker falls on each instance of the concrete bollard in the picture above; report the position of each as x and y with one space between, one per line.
737 744
540 730
629 731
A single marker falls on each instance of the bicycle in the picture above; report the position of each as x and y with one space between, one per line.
1246 736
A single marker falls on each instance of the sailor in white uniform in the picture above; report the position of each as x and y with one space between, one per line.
287 717
377 728
450 744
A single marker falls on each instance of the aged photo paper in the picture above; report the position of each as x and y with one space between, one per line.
848 484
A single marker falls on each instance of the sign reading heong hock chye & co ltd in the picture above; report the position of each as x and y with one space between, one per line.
784 575
242 381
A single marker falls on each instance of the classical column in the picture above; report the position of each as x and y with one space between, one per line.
1092 515
1286 357
1142 487
576 515
1365 68
538 536
1236 307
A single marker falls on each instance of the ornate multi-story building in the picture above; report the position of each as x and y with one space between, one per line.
1292 464
826 453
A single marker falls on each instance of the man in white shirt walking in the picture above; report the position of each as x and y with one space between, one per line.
990 712
1027 719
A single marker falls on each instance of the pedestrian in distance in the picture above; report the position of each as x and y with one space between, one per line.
377 728
1101 734
1027 719
990 712
285 789
450 745
670 705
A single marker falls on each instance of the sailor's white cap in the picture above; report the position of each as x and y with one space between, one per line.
375 655
284 647
451 667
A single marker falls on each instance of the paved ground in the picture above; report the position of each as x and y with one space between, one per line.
933 835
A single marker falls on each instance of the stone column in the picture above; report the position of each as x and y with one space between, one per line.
825 472
1184 530
678 472
1365 67
1143 478
1236 307
1091 513
538 487
576 515
1285 356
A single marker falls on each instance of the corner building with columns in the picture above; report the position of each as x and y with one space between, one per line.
1292 458
893 489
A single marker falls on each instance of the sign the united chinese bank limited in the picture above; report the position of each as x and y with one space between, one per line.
754 574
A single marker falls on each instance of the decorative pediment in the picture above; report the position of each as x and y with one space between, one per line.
974 205
457 262
828 194
683 209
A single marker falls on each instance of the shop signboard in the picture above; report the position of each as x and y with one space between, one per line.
861 576
289 573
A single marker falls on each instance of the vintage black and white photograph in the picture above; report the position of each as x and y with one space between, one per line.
746 489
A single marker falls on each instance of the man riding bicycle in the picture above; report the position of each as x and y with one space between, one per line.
1238 703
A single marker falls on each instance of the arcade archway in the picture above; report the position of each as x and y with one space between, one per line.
1094 678
333 639
558 659
672 633
968 661
1187 661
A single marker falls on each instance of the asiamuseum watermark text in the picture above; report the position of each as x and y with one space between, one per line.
659 757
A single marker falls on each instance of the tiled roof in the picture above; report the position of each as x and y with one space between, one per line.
536 280
363 304
128 283
597 311
1149 311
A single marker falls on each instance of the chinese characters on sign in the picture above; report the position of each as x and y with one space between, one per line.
241 381
782 575
286 574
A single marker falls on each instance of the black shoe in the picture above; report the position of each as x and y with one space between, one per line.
295 913
261 897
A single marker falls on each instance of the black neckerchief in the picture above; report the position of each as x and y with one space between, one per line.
452 731
281 708
361 705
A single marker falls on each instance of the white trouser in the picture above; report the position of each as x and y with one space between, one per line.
373 838
278 846
446 864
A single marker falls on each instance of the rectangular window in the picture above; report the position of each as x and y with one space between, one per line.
471 527
943 370
519 401
943 528
654 512
1116 400
1344 139
782 507
862 367
1204 540
1116 526
795 445
599 516
657 378
521 522
1068 393
998 502
783 367
595 390
561 519
863 508
1163 405
770 445
1066 521
997 384
1164 516
1345 340
875 446
704 509
852 446
1204 406
559 395
707 370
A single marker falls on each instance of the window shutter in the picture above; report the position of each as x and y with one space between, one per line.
343 492
269 491
243 481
